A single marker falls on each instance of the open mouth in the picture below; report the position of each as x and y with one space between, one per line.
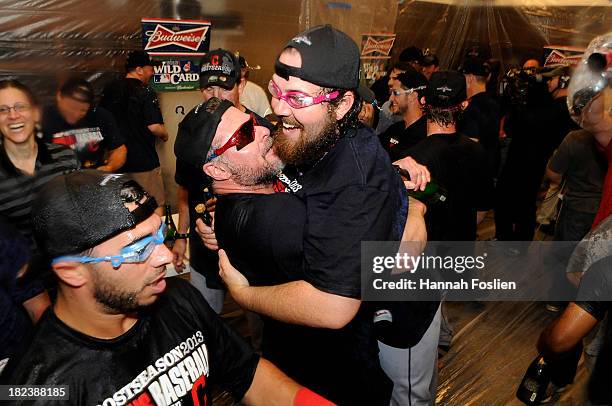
16 126
288 126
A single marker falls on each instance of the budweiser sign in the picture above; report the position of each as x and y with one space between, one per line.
373 46
188 39
562 55
175 37
558 58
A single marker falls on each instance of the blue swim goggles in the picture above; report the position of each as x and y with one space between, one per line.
138 251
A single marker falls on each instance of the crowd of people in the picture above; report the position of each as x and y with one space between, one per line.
274 202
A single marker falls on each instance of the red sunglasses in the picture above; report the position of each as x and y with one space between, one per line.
242 137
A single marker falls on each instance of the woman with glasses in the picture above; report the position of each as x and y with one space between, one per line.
26 163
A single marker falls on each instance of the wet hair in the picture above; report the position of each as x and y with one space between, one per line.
15 84
443 117
351 118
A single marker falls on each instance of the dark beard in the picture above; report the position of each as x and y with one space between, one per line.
115 302
309 148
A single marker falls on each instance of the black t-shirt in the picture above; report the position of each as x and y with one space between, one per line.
595 297
458 164
398 138
481 121
352 194
135 106
263 236
174 352
90 138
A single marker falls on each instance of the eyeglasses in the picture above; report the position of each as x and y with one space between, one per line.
299 100
138 251
18 107
398 93
242 137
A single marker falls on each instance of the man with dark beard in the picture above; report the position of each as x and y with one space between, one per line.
119 333
347 192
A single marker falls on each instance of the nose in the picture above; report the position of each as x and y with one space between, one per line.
217 92
13 113
280 107
161 256
261 132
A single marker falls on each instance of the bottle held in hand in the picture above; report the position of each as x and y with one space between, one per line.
170 227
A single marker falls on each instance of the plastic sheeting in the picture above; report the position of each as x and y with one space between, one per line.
509 31
43 41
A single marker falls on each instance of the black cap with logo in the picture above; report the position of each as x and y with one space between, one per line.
446 89
330 58
82 209
219 68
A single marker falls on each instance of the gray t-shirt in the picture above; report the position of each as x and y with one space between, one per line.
583 168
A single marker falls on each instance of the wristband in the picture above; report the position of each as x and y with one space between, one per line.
179 236
306 397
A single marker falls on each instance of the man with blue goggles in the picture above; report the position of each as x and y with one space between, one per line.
147 330
138 251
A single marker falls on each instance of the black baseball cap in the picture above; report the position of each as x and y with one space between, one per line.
197 131
330 58
475 66
429 60
136 59
366 94
78 88
79 210
413 79
445 89
219 68
411 54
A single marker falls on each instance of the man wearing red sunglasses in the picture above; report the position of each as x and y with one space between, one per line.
219 77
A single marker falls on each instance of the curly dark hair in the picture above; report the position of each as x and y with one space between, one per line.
351 118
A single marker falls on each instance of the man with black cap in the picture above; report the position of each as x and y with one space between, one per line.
151 340
406 93
219 77
136 108
454 160
350 192
429 64
481 118
91 131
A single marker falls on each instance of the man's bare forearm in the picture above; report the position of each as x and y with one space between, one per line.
298 302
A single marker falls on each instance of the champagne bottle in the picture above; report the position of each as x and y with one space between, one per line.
433 194
170 227
532 389
201 209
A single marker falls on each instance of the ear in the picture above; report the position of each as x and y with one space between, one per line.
345 104
464 104
216 171
71 273
422 101
36 114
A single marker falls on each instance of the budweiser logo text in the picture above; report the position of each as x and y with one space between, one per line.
189 39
